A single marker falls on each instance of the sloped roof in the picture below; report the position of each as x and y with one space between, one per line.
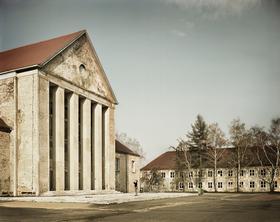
4 127
255 155
35 54
121 148
165 161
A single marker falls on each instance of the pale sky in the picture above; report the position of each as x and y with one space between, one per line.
168 60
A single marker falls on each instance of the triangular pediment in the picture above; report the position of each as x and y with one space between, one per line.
79 64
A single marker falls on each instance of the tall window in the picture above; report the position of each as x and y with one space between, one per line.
230 184
241 184
210 185
230 173
118 164
199 185
220 173
210 173
163 174
172 174
133 166
241 173
220 185
275 184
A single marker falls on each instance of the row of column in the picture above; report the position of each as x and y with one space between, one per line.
86 144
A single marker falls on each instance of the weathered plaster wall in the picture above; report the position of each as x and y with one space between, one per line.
7 113
4 163
132 176
28 147
67 66
121 175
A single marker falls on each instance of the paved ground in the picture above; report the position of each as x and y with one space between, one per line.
209 207
99 199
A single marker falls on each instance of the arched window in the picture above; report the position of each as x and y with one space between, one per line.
82 68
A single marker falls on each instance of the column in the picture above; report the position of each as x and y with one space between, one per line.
43 103
86 144
97 155
106 148
73 141
59 139
112 149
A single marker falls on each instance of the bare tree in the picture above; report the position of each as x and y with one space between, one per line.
152 181
133 144
268 150
217 141
184 161
241 140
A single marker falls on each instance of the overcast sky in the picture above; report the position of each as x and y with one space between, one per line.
168 60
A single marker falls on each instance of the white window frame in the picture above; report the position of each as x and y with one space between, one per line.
252 184
252 172
262 184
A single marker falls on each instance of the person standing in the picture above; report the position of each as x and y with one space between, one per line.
136 187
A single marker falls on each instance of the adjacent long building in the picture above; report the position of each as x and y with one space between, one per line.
57 107
254 177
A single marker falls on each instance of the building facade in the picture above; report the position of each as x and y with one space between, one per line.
127 168
252 178
57 100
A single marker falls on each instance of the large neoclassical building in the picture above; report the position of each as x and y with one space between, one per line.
57 106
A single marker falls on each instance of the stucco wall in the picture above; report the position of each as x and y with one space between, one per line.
132 176
125 176
28 147
7 113
4 163
121 175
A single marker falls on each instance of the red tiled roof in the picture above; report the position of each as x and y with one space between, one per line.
35 54
165 161
168 160
121 148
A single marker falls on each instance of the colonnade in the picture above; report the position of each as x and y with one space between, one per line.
79 142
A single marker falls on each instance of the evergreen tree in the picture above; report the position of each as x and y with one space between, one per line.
197 141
